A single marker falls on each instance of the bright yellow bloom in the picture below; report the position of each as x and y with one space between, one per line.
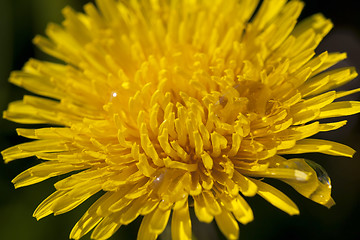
165 105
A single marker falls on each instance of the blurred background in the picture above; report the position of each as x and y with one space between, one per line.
21 20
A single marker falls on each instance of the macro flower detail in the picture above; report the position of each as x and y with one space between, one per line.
165 106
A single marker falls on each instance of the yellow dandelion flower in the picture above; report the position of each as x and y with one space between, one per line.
167 105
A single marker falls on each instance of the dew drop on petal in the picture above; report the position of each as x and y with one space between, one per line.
158 178
321 173
113 95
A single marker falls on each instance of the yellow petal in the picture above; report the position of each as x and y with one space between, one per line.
316 22
305 116
76 196
45 207
32 148
108 200
276 198
242 211
201 211
207 160
267 11
181 224
159 220
46 133
43 171
180 165
211 203
341 94
35 83
84 225
90 219
148 147
324 127
314 102
144 166
131 212
227 224
318 145
219 142
329 61
328 80
144 230
300 132
120 204
246 186
106 228
281 173
339 109
317 188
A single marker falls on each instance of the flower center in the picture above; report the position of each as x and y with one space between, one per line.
245 97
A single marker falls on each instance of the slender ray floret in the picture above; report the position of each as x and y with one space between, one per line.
163 106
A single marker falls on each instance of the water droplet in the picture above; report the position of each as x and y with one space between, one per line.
321 173
158 179
113 96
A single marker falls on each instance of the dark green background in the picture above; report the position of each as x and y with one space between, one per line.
21 20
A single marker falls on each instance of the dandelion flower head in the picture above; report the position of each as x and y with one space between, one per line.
168 106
